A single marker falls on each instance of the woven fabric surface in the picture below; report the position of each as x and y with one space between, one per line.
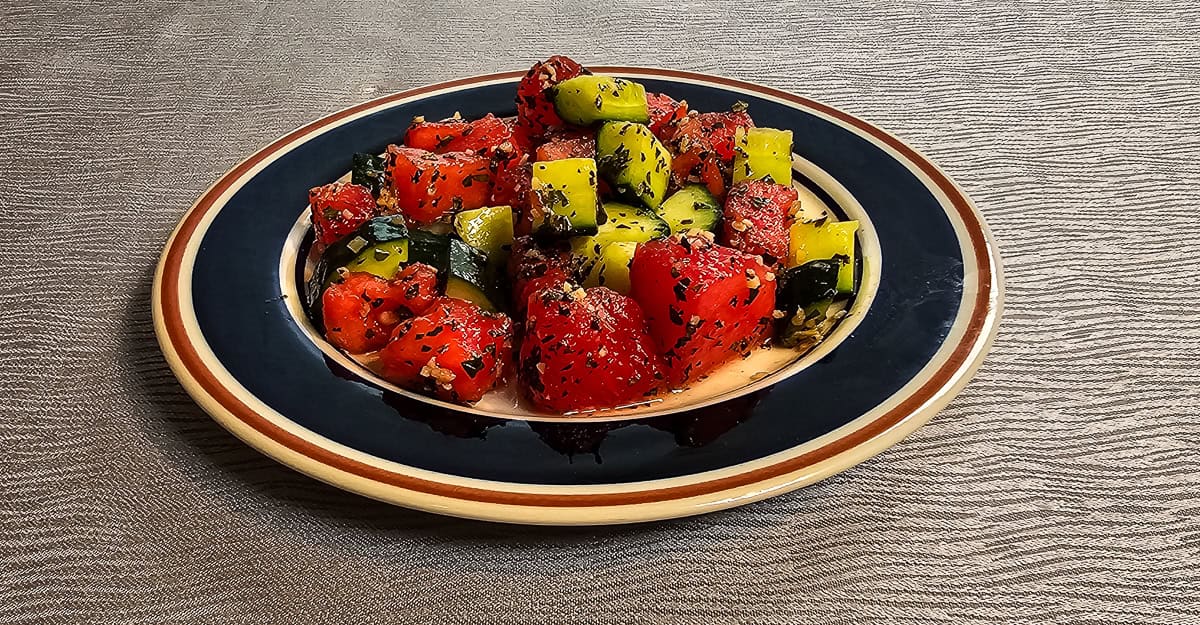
1063 485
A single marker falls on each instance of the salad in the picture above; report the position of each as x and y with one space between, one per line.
603 247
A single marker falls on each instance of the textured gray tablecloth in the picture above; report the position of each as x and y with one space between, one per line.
1063 486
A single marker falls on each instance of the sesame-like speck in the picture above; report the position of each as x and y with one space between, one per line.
440 374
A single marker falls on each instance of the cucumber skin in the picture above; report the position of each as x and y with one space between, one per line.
455 259
803 292
430 249
367 170
803 286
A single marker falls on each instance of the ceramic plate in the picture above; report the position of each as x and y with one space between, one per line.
229 319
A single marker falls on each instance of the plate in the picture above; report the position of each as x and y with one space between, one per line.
225 313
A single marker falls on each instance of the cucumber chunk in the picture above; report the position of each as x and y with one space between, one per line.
807 285
691 207
463 271
469 276
631 158
813 241
804 296
585 100
378 246
489 229
564 197
382 259
623 223
763 154
612 268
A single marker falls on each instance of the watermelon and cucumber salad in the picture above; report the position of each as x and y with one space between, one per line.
602 247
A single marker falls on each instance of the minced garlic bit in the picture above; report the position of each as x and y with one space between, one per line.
706 235
752 281
602 352
742 225
778 314
387 199
769 276
694 321
439 374
578 294
419 119
541 367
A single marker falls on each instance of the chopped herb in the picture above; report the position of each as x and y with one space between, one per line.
472 366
